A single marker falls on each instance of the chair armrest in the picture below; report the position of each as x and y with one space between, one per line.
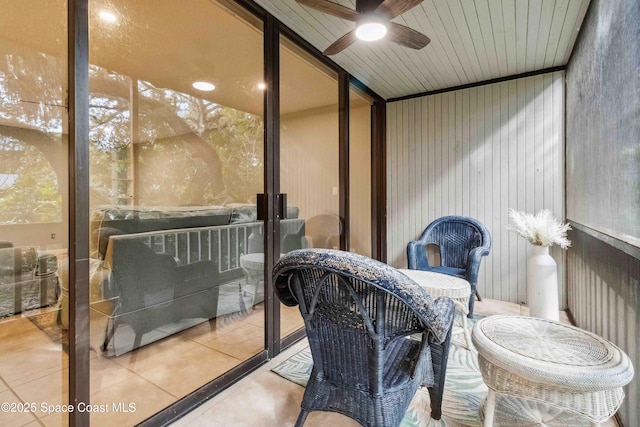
417 255
440 319
473 262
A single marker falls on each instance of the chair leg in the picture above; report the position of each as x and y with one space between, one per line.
472 300
301 418
439 358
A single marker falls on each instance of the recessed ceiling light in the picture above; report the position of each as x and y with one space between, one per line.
371 28
107 16
205 86
262 86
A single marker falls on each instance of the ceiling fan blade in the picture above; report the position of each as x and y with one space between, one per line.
342 43
391 8
331 8
406 36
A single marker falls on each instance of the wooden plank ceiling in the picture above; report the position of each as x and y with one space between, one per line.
471 41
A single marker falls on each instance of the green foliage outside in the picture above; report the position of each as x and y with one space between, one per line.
29 190
187 151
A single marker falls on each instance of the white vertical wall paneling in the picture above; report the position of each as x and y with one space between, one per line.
521 200
392 143
432 157
478 152
404 187
504 184
465 150
512 177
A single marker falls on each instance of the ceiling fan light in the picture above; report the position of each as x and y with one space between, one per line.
371 28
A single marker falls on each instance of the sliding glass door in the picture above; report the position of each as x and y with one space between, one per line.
34 215
309 169
177 303
176 156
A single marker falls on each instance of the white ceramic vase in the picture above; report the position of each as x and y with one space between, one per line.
542 284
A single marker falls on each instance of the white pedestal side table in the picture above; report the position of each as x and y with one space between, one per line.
443 285
253 266
564 367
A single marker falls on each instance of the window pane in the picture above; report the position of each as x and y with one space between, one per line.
360 172
174 175
309 170
33 208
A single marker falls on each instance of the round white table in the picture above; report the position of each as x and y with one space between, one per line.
563 367
443 285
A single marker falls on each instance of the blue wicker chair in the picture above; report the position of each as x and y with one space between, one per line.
462 242
359 314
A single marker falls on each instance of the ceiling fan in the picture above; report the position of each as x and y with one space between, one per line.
373 19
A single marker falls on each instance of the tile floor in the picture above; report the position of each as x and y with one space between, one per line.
264 399
34 369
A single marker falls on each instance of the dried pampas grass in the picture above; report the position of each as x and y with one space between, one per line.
541 229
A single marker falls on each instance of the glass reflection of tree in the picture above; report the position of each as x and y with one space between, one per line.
28 185
215 151
31 116
189 151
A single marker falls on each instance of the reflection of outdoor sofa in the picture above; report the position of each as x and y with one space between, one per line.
27 279
154 283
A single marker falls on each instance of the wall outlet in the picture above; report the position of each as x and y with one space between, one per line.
53 235
335 191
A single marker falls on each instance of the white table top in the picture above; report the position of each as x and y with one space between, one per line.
551 353
438 284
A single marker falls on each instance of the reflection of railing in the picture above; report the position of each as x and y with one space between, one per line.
222 245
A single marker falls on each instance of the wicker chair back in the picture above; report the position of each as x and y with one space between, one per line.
359 316
462 242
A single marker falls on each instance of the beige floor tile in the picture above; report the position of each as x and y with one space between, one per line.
50 389
28 365
263 400
203 332
56 420
168 350
489 307
214 328
256 316
199 420
14 326
244 342
196 368
105 372
147 397
20 335
10 419
290 320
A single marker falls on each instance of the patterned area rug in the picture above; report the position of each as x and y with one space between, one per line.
48 323
463 392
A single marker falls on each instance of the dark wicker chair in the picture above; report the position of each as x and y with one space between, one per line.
359 315
462 242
